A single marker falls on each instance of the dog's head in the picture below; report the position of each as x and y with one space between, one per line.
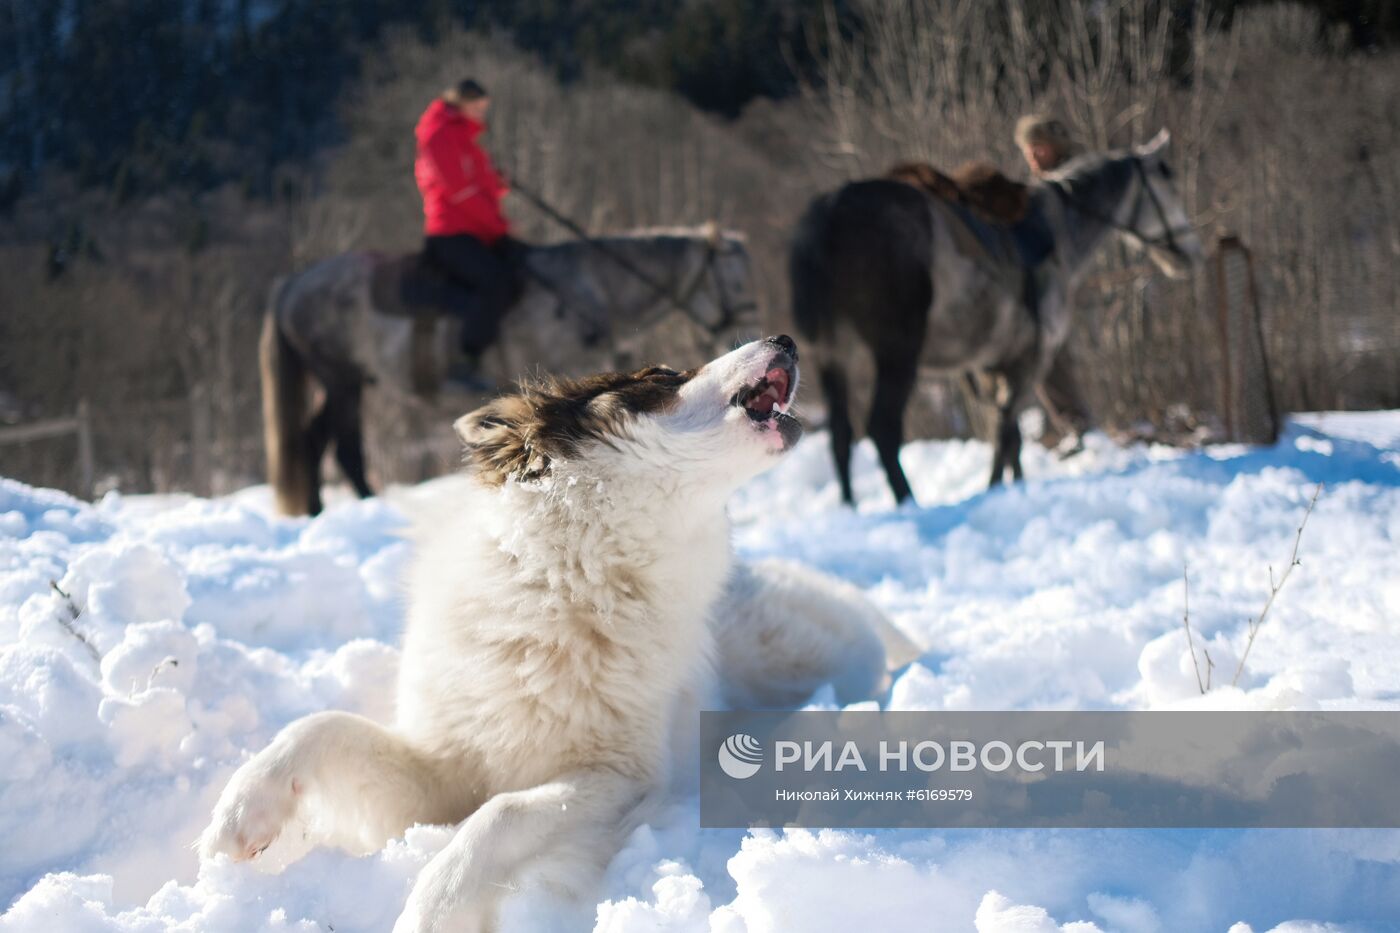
715 426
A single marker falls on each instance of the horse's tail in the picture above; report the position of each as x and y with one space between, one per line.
284 385
809 272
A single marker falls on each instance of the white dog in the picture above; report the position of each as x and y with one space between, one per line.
558 627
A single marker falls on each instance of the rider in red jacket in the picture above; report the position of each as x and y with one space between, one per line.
466 231
461 189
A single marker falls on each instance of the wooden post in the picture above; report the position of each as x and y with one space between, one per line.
200 441
1247 397
1222 317
86 470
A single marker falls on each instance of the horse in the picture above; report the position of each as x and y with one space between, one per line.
928 285
351 321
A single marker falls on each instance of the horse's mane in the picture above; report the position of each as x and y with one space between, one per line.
1088 171
699 232
1084 163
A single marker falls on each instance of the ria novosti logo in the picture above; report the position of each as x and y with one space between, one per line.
740 756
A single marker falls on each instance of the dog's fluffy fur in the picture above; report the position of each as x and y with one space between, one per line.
559 622
783 630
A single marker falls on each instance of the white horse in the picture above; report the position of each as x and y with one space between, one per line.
344 324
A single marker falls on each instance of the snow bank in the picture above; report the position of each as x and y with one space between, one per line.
148 645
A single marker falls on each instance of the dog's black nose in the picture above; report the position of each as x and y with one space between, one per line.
786 344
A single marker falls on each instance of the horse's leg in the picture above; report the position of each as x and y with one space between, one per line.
1021 382
1008 446
349 439
998 450
838 412
318 435
894 382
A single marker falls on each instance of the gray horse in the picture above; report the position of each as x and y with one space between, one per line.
929 286
342 324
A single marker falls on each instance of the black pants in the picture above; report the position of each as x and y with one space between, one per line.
482 284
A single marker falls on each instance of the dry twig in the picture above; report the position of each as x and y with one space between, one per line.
1274 587
67 624
1186 622
1204 684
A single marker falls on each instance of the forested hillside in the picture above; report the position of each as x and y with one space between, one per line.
141 95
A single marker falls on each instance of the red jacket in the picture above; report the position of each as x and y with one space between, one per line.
461 190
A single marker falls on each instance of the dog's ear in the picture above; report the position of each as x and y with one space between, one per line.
501 440
470 428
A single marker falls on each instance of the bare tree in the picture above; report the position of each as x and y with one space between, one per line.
1279 137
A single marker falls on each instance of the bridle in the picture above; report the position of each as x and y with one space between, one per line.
1167 240
729 311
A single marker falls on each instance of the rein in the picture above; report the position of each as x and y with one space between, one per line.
680 301
729 311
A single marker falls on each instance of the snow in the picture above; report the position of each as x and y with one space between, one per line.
149 644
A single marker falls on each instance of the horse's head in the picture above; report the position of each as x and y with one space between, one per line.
724 303
1158 218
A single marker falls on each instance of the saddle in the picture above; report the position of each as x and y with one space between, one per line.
410 285
979 186
982 191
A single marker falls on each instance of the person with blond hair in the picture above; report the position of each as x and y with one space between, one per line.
1046 142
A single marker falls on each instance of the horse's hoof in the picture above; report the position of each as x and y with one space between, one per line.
1071 446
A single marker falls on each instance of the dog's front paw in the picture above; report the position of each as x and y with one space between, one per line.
257 803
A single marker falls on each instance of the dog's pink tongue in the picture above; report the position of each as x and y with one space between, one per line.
778 379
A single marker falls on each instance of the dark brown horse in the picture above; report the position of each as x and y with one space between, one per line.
928 284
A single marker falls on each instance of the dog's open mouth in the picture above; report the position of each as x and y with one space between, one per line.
766 401
769 396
